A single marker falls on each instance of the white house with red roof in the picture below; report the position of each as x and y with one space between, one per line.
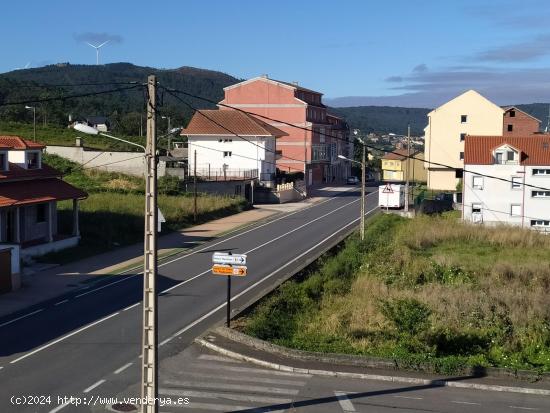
232 145
507 180
29 192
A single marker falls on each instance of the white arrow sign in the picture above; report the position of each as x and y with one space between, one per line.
225 258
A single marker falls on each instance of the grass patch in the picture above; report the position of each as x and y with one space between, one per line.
430 293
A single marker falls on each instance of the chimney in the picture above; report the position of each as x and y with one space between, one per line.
264 76
295 83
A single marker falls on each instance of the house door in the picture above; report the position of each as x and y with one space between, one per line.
10 226
5 271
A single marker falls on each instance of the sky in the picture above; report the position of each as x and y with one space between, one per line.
400 53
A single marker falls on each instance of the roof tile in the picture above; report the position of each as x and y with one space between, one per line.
478 150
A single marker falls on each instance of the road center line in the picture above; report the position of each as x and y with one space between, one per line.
522 408
19 318
58 408
93 386
121 369
63 338
344 401
461 402
61 302
409 397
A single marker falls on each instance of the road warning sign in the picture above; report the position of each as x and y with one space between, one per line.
388 189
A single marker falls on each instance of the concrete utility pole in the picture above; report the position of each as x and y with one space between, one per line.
363 183
407 168
149 384
195 187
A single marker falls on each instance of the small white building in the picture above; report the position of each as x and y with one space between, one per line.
507 181
230 145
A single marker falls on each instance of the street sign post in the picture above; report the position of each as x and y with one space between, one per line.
231 266
228 258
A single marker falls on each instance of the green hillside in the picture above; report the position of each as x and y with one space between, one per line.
123 108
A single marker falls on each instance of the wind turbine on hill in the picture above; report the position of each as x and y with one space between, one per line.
97 49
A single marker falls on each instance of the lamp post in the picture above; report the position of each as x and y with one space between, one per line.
33 121
363 167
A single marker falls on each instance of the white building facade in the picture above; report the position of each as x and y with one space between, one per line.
507 181
229 145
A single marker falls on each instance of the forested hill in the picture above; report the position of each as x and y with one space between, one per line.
386 119
123 108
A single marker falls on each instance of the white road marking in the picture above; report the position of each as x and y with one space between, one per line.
132 306
58 408
121 369
252 379
231 386
227 396
522 408
251 370
215 407
461 402
236 296
344 401
103 286
63 338
409 397
211 357
61 302
19 318
93 386
1 367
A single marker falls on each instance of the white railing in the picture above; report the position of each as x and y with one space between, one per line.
285 187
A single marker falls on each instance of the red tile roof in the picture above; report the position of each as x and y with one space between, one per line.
16 172
399 154
17 142
37 191
237 122
478 150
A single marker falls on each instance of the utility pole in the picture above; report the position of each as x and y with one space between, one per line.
149 384
363 183
407 168
195 187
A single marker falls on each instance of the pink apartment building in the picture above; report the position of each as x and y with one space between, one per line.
314 151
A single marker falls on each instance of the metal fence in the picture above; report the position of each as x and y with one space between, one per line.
221 174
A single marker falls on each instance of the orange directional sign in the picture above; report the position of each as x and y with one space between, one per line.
236 270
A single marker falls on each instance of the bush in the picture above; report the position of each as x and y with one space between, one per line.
408 315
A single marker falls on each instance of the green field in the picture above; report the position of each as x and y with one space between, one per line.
113 214
430 293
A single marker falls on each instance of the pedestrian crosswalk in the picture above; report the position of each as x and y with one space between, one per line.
214 383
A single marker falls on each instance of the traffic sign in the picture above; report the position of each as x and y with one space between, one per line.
225 258
222 269
388 189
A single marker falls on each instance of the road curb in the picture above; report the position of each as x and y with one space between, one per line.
366 376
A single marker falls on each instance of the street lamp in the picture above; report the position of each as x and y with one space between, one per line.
82 127
363 167
33 120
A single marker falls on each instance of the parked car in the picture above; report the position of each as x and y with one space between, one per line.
352 180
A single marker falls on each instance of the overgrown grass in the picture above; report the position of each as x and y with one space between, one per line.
55 135
113 214
431 293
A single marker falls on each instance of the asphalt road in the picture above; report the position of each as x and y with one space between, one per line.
213 383
69 347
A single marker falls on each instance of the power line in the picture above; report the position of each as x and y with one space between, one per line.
50 85
63 98
229 130
335 137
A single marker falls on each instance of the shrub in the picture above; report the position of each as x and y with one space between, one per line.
408 315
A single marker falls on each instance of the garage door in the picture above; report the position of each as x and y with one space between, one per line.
5 271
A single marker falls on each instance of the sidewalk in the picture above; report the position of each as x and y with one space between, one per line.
41 286
233 344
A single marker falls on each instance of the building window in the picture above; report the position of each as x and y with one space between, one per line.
539 172
477 182
33 160
540 223
461 156
463 118
476 208
515 210
510 155
220 140
3 162
238 190
40 213
516 182
462 137
512 114
459 173
226 154
510 128
540 194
